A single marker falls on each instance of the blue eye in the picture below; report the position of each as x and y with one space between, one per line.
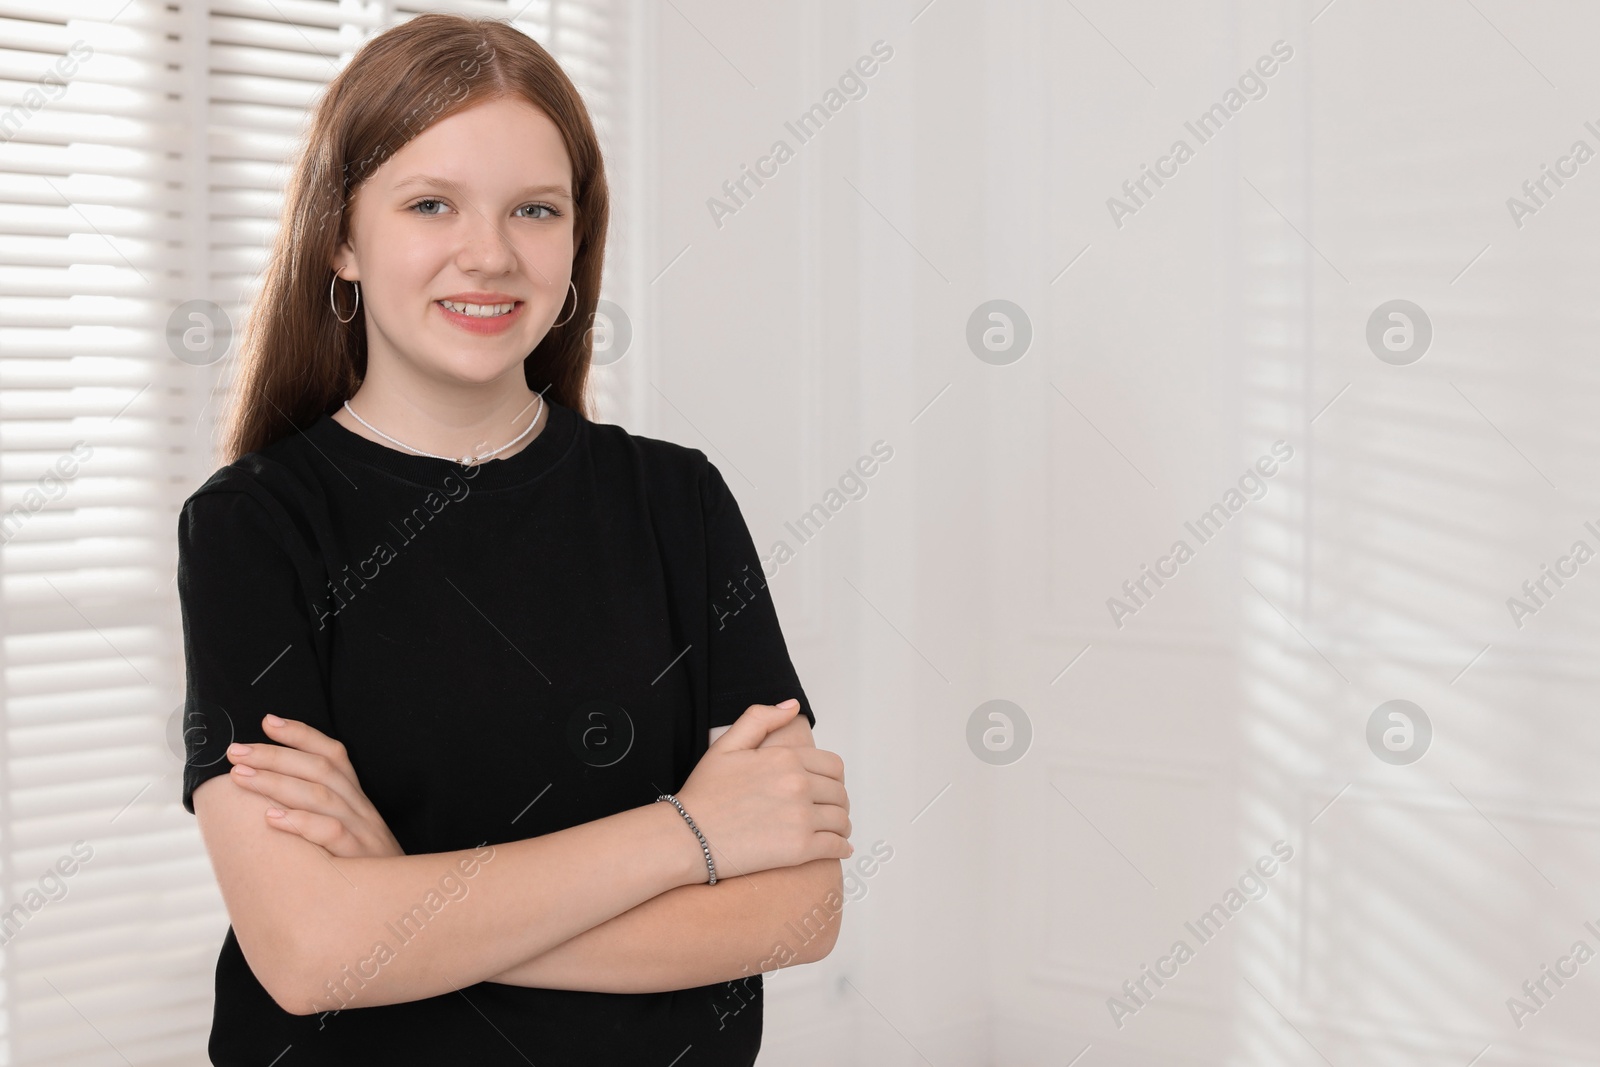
551 211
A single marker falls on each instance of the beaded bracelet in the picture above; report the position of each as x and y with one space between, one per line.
710 867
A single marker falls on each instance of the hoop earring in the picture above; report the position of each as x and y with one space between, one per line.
334 304
574 310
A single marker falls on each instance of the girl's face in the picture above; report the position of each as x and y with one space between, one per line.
473 214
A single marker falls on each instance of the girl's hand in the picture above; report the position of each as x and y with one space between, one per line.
319 798
766 806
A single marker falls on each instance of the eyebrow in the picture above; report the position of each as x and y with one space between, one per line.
446 183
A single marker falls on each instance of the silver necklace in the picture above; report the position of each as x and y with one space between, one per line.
467 460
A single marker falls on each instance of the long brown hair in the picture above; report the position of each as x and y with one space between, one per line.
296 361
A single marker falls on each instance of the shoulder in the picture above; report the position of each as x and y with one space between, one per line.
611 437
255 495
677 469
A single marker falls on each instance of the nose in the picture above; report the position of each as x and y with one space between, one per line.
486 247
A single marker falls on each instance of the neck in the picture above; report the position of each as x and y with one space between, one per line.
444 426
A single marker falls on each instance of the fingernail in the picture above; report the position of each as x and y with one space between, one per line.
243 769
790 703
274 813
273 720
238 750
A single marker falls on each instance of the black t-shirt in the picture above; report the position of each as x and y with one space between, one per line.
504 650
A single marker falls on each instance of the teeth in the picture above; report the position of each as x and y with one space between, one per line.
478 311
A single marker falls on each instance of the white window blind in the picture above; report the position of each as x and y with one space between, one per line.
143 150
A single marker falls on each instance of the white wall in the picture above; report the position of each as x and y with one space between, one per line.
1228 313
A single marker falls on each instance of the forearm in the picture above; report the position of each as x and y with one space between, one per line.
695 935
401 928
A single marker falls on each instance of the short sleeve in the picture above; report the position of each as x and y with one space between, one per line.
247 633
748 660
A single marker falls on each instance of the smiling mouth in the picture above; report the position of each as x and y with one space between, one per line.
479 311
